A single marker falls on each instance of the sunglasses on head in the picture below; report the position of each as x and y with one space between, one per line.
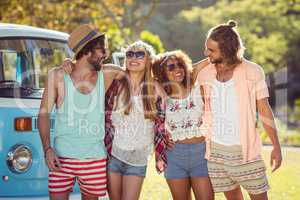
171 67
136 54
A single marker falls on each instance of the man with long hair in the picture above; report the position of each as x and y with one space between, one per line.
236 92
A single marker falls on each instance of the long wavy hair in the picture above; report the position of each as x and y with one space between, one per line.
159 66
147 85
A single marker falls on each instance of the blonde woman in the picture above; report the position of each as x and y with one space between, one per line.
130 119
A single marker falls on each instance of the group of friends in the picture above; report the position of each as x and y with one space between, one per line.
199 120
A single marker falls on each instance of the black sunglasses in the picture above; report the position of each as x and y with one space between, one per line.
171 67
100 48
136 54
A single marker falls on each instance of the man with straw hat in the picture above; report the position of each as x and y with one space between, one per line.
78 150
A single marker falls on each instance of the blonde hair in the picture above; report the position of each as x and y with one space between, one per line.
147 84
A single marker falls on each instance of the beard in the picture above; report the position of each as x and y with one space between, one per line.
96 63
217 60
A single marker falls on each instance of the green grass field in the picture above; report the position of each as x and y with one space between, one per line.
285 183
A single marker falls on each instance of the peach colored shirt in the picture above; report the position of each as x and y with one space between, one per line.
250 85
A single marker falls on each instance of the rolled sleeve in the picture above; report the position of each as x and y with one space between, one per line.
261 88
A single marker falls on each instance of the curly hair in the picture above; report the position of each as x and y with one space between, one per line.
159 65
229 42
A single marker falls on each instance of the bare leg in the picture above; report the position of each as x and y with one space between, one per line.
88 197
59 196
235 194
262 196
180 188
114 185
202 188
131 187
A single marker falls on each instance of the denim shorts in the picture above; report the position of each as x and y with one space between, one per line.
118 166
186 160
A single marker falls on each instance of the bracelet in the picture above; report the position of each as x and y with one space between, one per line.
46 150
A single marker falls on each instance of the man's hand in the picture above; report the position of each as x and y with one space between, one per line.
267 118
68 65
276 158
52 160
160 166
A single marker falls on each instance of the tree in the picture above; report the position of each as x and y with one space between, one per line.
123 20
129 16
265 27
269 29
154 40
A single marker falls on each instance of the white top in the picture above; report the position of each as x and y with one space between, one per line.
184 116
226 128
133 136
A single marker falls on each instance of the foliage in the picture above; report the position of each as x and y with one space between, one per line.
295 113
287 137
269 29
154 40
264 25
122 20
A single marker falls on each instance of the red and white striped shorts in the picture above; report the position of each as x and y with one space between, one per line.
90 173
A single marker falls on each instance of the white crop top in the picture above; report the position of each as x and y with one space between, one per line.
184 116
133 136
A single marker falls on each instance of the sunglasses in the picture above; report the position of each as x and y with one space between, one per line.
171 67
101 48
136 54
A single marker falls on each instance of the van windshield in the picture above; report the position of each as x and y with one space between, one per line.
24 63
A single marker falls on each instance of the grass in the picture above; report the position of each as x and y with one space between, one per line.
285 183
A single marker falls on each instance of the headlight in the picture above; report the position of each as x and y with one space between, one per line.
19 158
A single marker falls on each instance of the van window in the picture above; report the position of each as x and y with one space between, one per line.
25 62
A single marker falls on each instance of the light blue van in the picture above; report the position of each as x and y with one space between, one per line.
26 55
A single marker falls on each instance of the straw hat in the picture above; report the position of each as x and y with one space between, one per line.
81 36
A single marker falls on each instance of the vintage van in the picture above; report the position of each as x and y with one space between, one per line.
26 54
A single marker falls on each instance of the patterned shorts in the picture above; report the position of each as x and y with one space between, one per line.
90 173
227 170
